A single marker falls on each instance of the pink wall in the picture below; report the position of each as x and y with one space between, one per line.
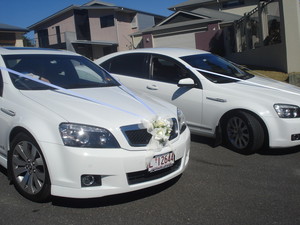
203 39
124 30
107 34
66 24
119 33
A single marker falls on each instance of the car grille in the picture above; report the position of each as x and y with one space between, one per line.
138 137
145 175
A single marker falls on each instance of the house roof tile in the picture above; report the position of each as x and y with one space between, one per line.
6 27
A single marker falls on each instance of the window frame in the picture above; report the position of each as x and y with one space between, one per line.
107 21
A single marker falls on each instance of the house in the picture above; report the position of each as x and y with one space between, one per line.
196 24
199 28
251 32
94 29
238 7
269 36
11 35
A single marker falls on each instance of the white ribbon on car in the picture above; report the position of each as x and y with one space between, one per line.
155 142
74 94
159 134
245 81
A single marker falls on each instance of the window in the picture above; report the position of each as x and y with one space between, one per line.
7 39
107 21
128 64
272 14
64 71
216 65
57 28
167 70
43 38
233 3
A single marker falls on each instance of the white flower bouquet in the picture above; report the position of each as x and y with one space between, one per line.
160 129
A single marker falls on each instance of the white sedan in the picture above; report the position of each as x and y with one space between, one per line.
218 98
70 129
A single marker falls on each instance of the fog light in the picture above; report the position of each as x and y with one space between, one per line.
295 137
90 180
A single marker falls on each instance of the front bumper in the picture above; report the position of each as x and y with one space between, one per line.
116 167
281 131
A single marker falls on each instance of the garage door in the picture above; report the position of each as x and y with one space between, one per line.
180 40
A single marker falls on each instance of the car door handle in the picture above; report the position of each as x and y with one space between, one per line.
152 87
8 112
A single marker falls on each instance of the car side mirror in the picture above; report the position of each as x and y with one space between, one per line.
186 82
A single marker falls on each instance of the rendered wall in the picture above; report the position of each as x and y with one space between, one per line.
204 39
19 40
291 17
284 56
125 28
106 34
272 56
65 23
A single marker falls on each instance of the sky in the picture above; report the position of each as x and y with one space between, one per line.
24 13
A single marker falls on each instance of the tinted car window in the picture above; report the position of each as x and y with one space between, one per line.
216 64
1 84
167 70
129 64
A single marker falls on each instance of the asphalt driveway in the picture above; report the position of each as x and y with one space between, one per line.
219 187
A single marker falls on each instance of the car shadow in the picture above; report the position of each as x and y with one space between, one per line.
3 170
114 199
279 151
211 142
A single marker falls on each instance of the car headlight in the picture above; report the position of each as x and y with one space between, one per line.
287 111
78 135
181 120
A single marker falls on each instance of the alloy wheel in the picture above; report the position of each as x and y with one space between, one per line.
28 167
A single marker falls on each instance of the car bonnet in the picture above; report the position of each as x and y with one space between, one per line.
264 89
106 107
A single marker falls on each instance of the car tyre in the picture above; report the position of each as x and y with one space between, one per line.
243 132
28 170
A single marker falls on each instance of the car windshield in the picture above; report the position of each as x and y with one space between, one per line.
61 70
215 64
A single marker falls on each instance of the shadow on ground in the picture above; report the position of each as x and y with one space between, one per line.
279 151
204 140
265 151
3 170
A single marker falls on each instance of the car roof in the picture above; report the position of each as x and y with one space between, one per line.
172 52
32 50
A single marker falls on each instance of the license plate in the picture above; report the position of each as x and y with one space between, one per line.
160 162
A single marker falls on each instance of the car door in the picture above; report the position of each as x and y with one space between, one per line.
6 119
141 72
165 74
132 70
